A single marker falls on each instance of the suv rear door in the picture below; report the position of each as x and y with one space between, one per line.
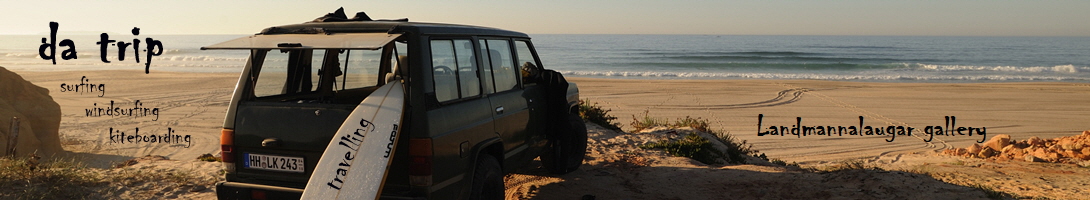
288 118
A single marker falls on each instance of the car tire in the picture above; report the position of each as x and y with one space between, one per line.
487 179
566 151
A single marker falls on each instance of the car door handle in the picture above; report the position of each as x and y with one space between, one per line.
499 110
271 142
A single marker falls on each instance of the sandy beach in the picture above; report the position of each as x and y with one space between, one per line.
189 104
1022 110
192 105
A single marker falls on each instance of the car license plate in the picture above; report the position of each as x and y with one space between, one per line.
271 162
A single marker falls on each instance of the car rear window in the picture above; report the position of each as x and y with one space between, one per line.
298 71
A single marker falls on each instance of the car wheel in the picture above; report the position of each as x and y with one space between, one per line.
566 151
487 179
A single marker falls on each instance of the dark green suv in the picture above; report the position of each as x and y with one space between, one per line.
478 105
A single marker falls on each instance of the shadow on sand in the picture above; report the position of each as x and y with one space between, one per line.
626 181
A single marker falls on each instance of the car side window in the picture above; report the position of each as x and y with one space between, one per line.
527 65
454 73
504 73
486 69
469 81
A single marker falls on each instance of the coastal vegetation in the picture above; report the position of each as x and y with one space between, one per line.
29 178
693 145
593 113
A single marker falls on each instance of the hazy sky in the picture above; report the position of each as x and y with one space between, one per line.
722 17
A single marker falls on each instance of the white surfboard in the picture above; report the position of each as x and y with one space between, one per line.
355 162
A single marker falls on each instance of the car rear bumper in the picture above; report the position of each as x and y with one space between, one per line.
245 191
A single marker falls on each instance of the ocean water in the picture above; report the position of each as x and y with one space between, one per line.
856 58
852 58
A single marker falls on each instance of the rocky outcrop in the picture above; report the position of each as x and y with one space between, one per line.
39 117
1068 149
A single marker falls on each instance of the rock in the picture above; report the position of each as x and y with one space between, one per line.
39 117
1021 144
1040 153
1031 158
1086 152
987 152
1019 154
973 149
1086 133
1076 155
198 188
1070 154
1085 163
955 152
1013 151
1035 141
960 152
1066 143
1008 149
1055 149
998 141
1051 157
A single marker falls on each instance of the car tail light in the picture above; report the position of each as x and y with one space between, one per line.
227 149
420 162
258 195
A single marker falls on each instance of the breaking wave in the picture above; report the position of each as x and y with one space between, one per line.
1039 69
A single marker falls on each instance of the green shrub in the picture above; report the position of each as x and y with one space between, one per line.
645 122
695 123
27 178
857 164
208 158
595 114
692 146
736 151
23 178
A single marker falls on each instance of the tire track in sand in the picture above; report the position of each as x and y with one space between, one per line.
794 93
192 104
872 115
